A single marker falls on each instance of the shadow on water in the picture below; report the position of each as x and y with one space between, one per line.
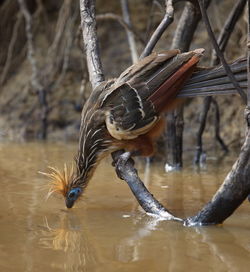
107 231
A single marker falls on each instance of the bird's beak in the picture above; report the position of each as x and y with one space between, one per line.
69 203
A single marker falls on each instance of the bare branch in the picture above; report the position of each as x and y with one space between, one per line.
130 35
228 29
10 49
31 52
68 40
217 126
126 171
35 80
119 19
248 56
166 21
88 23
233 191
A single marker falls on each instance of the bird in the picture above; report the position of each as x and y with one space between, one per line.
127 112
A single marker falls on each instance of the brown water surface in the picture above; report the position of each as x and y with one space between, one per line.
107 231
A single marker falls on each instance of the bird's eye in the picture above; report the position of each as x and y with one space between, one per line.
72 194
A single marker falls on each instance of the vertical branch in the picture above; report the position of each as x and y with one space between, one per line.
175 123
222 42
233 191
226 32
219 53
35 81
10 49
31 52
130 35
217 125
248 55
88 24
236 186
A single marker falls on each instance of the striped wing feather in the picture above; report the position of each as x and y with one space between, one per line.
145 90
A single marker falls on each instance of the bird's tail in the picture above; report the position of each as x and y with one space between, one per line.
214 81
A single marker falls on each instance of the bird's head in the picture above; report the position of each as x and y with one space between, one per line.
64 183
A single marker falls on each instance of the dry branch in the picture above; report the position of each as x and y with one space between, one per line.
88 23
248 55
119 19
166 21
35 80
10 49
232 192
126 171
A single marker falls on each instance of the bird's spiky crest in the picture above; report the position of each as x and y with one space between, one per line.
59 180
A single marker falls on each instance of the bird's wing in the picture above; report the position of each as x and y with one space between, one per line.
127 115
139 96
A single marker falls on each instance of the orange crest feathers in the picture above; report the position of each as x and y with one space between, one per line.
59 181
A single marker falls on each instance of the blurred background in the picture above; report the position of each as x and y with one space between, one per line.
59 66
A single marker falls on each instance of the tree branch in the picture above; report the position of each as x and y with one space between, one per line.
11 48
88 23
233 191
35 80
248 55
166 21
228 28
119 19
126 171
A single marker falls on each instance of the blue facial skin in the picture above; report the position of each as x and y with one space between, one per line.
72 196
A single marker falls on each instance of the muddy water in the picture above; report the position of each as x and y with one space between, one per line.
107 231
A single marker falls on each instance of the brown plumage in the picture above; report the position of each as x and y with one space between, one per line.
126 113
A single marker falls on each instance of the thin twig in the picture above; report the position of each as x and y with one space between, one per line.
68 40
219 53
119 19
130 35
217 126
10 49
57 48
166 21
31 52
228 28
35 80
152 12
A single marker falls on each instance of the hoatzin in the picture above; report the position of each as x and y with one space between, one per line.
126 112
